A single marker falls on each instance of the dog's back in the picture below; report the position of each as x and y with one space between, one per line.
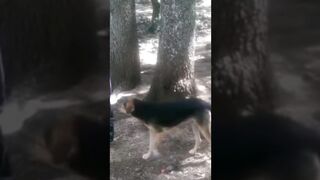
169 113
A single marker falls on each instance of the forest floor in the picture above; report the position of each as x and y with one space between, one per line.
131 136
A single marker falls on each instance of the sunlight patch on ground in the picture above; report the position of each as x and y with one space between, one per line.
146 13
205 3
147 58
142 11
197 58
201 88
148 51
144 72
206 97
203 23
203 40
204 90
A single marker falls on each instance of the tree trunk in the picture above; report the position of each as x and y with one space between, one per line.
241 78
155 9
155 16
2 83
124 52
48 45
174 74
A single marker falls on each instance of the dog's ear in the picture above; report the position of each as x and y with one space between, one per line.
129 106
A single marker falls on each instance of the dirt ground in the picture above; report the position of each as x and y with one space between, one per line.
131 137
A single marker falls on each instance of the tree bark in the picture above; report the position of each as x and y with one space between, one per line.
124 52
155 16
155 9
48 45
2 83
174 74
241 72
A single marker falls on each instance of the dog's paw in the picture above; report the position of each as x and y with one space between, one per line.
152 155
193 151
147 155
156 154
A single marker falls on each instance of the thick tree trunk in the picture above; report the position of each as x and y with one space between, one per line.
174 74
124 54
241 68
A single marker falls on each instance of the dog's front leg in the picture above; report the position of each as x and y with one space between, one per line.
153 140
197 139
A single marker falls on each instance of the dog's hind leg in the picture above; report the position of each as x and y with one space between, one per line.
205 132
196 137
153 141
204 124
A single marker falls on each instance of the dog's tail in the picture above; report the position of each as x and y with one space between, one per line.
208 107
205 105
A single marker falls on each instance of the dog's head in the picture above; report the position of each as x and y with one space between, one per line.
129 106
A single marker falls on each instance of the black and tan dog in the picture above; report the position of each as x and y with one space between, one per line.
161 116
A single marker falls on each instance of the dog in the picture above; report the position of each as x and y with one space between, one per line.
160 116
